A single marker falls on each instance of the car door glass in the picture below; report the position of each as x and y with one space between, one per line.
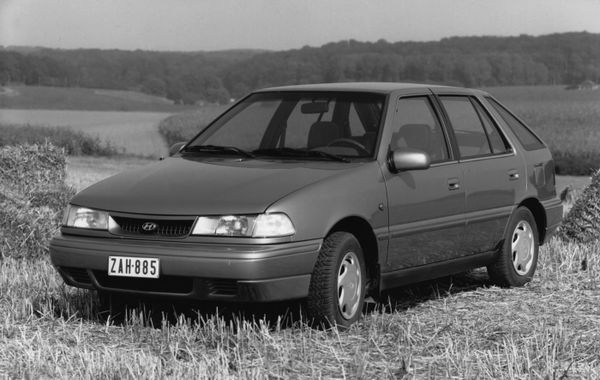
497 140
470 136
525 136
416 126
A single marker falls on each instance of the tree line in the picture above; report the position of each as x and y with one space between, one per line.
566 58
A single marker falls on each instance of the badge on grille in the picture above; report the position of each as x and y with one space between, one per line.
149 227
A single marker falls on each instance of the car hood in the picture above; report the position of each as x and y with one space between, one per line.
192 186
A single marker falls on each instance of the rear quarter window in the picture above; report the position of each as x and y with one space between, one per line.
528 139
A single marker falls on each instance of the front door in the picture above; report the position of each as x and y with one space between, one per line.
426 207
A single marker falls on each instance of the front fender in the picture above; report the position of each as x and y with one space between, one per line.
315 209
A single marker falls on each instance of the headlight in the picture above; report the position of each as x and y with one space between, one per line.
263 225
271 225
82 217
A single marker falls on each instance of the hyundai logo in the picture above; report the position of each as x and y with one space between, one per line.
149 226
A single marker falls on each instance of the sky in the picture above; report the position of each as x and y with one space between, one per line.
191 25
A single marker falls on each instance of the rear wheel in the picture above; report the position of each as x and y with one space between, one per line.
517 260
337 287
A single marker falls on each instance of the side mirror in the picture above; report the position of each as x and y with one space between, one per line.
408 159
175 148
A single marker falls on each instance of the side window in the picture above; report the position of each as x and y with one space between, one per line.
497 140
524 135
470 135
416 126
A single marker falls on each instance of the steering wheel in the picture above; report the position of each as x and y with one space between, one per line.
350 143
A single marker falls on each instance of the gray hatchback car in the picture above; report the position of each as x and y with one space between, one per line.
328 193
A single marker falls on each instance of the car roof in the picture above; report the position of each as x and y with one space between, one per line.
378 87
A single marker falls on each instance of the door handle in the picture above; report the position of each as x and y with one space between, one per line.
513 175
453 184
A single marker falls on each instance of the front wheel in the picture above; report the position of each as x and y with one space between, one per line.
517 260
337 287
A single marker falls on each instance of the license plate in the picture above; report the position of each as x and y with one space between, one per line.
133 267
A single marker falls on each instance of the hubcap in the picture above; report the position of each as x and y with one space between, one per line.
349 285
522 247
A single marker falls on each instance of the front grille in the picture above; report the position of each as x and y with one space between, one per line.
164 284
77 274
173 228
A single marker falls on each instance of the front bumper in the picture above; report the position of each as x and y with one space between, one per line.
233 272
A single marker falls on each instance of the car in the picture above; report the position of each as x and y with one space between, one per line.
326 193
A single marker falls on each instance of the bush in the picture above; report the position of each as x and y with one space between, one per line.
33 195
582 223
74 142
575 163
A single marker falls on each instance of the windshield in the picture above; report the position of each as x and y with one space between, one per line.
316 125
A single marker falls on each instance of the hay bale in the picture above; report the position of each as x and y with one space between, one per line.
33 195
582 223
32 168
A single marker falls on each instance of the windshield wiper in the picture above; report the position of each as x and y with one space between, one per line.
295 152
218 149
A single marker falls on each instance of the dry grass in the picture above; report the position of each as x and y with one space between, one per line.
32 198
459 328
582 223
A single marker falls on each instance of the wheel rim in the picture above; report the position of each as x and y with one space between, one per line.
523 246
349 285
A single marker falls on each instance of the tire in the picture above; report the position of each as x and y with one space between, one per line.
517 260
337 286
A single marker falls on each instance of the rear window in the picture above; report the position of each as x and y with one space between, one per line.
528 140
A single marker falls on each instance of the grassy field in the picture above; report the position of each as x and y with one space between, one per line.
569 121
450 328
63 98
129 132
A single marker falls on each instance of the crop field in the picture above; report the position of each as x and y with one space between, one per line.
88 99
134 133
450 328
569 121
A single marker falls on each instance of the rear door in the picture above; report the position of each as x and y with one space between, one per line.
492 172
426 207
